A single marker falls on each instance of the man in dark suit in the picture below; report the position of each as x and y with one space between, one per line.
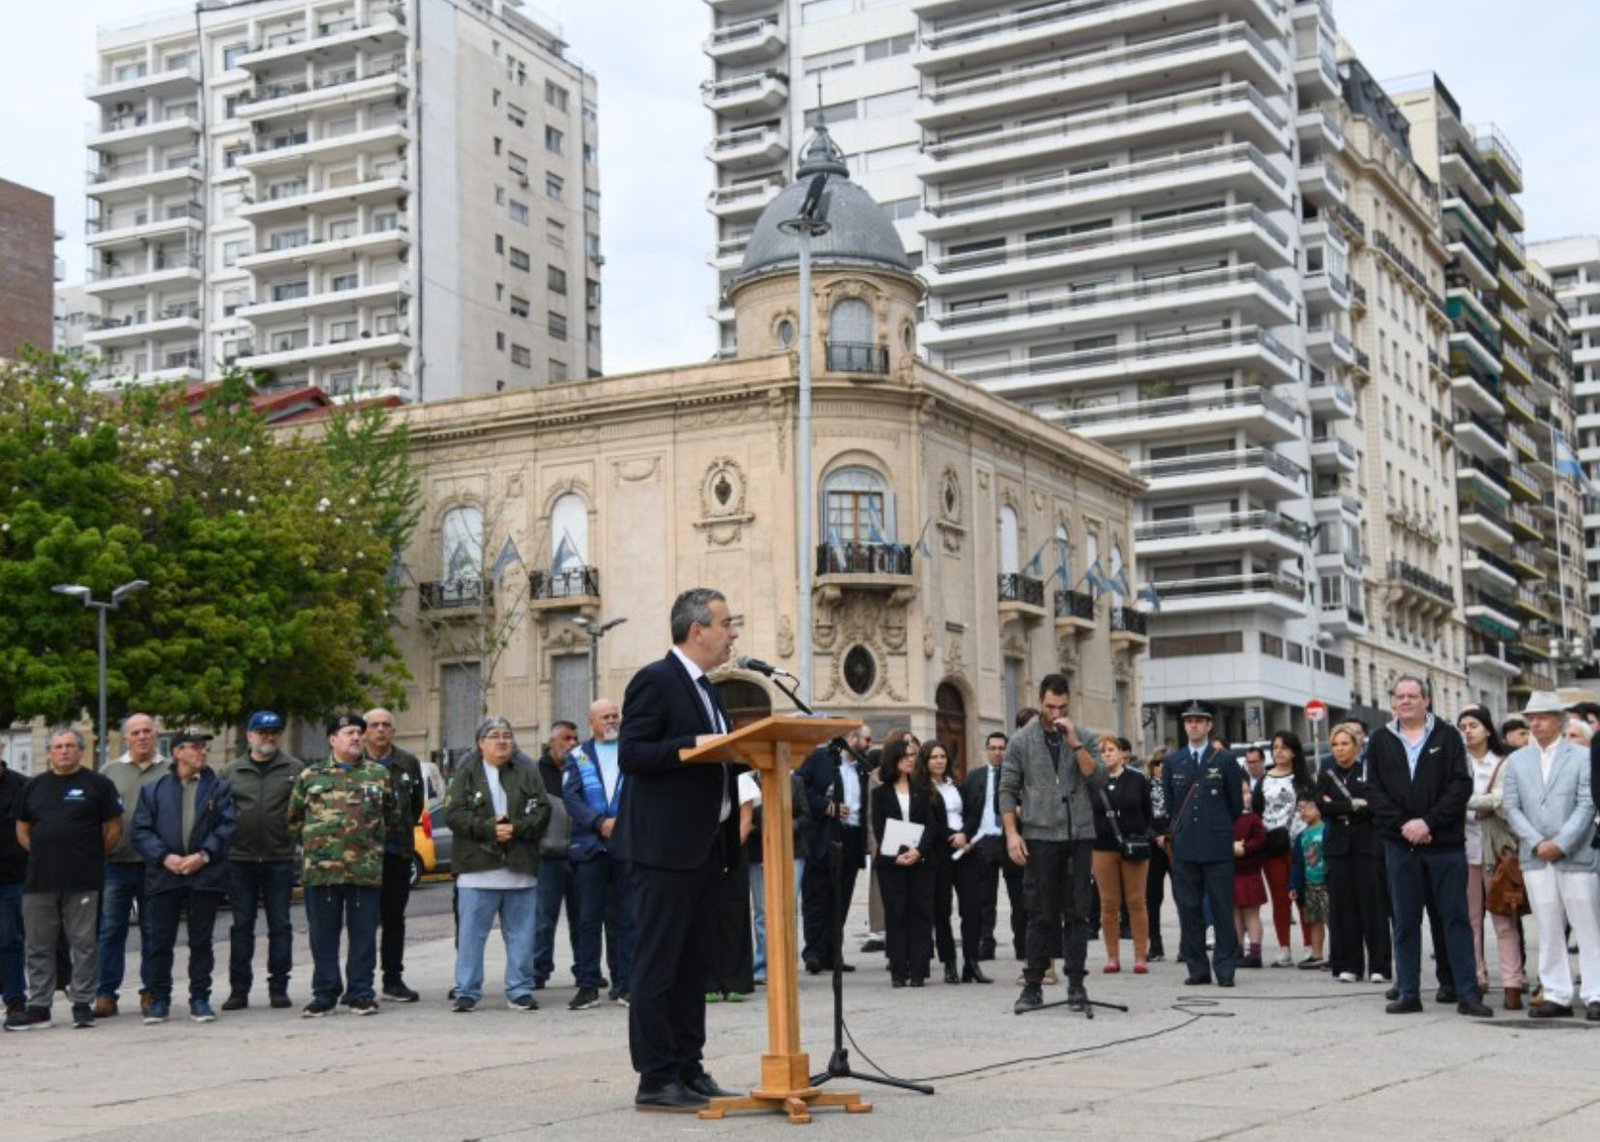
980 870
830 781
1204 787
672 824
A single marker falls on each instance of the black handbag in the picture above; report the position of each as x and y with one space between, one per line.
1130 848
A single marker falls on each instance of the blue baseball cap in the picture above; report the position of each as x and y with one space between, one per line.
264 720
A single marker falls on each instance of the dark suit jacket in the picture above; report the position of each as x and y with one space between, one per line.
973 791
1202 825
819 773
669 810
1438 793
926 810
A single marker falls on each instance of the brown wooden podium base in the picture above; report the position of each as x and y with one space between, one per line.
796 1104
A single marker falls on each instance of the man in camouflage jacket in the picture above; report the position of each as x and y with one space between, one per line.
342 809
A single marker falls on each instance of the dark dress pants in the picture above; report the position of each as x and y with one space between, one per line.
1194 885
164 909
1155 895
944 898
970 877
605 899
819 907
396 893
733 969
677 915
1413 874
1057 884
993 862
907 917
269 884
557 886
1358 920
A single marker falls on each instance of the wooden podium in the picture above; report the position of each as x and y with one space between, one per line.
775 746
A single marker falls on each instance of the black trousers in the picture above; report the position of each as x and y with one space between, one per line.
970 876
817 904
677 918
907 917
164 908
1358 917
392 899
991 862
1057 883
733 969
1155 895
944 898
1192 882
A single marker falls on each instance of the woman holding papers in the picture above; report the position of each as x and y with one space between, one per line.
908 821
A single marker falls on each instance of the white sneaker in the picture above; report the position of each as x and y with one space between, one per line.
1284 960
1347 977
1377 977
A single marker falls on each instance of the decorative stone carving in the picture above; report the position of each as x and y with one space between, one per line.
785 636
952 536
983 480
954 664
927 637
950 496
722 502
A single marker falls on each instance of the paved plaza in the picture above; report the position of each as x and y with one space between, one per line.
1285 1054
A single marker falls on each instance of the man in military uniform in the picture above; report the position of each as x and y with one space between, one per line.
343 809
1204 787
405 782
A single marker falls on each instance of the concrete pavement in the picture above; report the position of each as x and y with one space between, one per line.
1286 1053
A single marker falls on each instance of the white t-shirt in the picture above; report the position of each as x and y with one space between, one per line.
749 788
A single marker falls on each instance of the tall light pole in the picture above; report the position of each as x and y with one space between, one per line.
83 595
597 631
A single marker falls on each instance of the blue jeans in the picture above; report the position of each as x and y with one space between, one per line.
758 912
13 973
1412 872
268 883
124 885
556 886
163 909
605 891
477 909
330 909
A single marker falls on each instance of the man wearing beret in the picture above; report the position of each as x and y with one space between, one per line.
343 809
261 862
1204 787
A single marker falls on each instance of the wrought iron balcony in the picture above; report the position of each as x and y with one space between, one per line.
857 357
1019 588
1074 605
450 594
863 559
1126 620
574 583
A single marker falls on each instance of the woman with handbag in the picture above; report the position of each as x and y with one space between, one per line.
1275 797
1358 902
1491 850
1122 829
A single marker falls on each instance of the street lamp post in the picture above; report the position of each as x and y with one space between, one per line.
597 631
83 595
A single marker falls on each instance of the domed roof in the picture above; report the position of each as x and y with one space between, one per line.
859 233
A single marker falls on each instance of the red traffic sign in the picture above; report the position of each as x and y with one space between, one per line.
1316 710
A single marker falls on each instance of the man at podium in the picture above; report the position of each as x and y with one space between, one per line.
672 823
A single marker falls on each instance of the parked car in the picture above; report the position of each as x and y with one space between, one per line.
432 841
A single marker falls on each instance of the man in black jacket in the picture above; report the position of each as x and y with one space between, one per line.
829 782
1419 782
13 870
405 781
556 885
982 868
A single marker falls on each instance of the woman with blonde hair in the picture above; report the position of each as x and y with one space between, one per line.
1358 914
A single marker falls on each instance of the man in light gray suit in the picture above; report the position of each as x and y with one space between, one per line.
1549 804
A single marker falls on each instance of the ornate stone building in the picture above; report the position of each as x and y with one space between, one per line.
953 529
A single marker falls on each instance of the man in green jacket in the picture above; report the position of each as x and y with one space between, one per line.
405 782
261 861
497 809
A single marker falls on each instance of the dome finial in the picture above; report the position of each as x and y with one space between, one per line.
822 155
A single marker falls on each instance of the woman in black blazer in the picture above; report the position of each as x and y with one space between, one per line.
905 878
1358 919
933 774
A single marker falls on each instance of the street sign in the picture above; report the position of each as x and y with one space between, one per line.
1316 710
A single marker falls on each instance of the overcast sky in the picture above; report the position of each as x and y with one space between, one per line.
1528 66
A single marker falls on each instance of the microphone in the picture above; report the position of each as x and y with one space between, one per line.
745 662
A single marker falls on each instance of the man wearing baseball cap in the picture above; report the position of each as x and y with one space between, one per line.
342 809
261 862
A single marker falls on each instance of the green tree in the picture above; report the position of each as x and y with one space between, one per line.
267 553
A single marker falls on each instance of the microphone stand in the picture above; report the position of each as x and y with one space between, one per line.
839 1061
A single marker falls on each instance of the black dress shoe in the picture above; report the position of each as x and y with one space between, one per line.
847 967
950 974
1077 997
670 1098
1393 993
1446 995
972 973
1477 1008
704 1085
1197 981
873 945
1409 1005
238 1001
918 981
1547 1009
897 982
813 967
1224 981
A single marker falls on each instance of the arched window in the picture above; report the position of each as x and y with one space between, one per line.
569 534
852 345
858 507
1064 557
463 544
1010 562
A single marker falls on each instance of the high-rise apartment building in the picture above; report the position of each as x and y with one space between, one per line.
1111 204
1409 445
376 196
1517 515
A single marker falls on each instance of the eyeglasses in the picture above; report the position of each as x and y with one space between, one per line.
498 738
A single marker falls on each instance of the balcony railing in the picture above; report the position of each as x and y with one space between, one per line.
1074 604
1153 349
1161 407
264 92
1277 582
1018 588
863 559
856 357
1037 16
1128 621
573 583
1196 526
1221 462
1416 577
448 594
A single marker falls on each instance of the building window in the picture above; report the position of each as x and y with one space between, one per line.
569 534
556 279
857 507
1010 540
557 325
555 95
554 140
521 355
520 259
518 211
569 686
1064 557
519 306
554 187
860 670
557 370
461 694
462 531
517 115
555 233
230 56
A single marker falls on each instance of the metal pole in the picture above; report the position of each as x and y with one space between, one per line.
100 744
803 467
595 635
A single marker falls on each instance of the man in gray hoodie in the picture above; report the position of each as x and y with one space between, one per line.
1049 825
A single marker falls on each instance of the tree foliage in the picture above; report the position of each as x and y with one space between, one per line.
267 553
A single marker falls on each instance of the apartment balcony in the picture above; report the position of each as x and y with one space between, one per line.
1515 327
1317 73
1321 184
298 149
1491 655
743 7
1527 560
1509 246
1519 406
1524 524
135 133
106 88
1476 263
384 30
973 35
1421 588
728 255
747 95
1467 310
1333 455
1253 410
1261 472
1242 290
1470 350
1515 366
1165 357
1501 157
469 594
138 275
1531 604
1074 611
279 350
1020 596
326 301
866 357
865 567
1346 620
268 103
1476 477
1484 568
1331 504
743 200
1129 627
746 42
1524 484
1461 164
377 186
748 147
575 588
1267 534
1476 436
1275 592
1511 286
1330 347
139 326
1477 394
1319 130
1483 522
316 251
135 180
1509 210
1331 400
1240 168
1238 108
1245 229
137 229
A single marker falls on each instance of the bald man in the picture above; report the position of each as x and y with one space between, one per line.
139 766
405 780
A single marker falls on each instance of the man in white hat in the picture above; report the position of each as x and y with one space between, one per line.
1550 805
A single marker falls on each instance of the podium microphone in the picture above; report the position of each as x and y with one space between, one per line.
745 662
